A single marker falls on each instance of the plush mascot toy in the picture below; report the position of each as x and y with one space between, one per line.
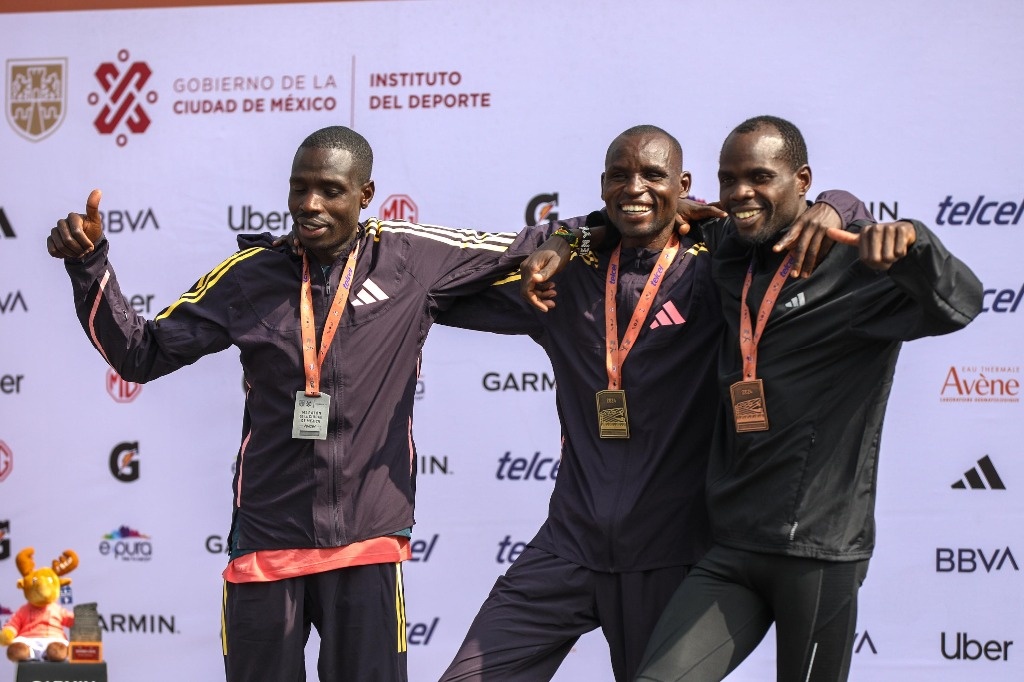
36 630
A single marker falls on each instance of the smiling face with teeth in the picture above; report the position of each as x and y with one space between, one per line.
327 189
641 185
759 186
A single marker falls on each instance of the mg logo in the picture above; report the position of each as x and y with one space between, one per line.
399 207
122 97
120 390
36 94
6 461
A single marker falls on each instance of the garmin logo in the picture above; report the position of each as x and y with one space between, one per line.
148 623
523 381
215 544
433 466
536 468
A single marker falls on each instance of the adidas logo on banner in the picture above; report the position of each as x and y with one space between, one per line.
667 316
975 478
796 301
370 293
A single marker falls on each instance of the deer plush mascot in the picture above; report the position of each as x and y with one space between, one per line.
36 630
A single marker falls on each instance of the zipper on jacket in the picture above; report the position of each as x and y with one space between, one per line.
796 524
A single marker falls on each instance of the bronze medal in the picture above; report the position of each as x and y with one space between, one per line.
612 419
748 406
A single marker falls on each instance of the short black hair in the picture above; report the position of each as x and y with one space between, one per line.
340 137
646 129
794 149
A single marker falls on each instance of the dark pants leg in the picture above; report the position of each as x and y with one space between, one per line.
529 622
728 602
713 622
628 606
359 613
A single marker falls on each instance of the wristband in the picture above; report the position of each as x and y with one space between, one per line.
584 245
569 236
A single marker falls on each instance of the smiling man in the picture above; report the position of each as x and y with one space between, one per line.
323 489
636 329
805 372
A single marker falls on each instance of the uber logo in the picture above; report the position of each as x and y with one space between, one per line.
11 383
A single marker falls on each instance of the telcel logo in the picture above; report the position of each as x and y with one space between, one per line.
1001 300
522 469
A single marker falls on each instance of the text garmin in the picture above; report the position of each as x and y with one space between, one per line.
969 560
149 623
980 212
215 544
522 381
427 466
537 468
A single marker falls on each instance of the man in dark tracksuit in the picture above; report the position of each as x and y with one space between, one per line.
323 505
627 515
791 499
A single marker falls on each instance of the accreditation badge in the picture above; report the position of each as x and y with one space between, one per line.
309 420
612 419
748 406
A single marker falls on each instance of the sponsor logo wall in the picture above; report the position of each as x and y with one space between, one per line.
473 126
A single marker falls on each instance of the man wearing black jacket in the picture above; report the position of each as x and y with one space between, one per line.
805 371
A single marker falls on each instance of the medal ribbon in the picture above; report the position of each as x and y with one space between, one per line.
311 363
748 339
616 352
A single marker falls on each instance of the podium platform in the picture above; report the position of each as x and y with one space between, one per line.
41 671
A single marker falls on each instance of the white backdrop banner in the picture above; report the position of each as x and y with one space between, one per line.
488 115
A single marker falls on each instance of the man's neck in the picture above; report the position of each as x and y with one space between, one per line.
654 242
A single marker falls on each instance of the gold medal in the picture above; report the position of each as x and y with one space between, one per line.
748 406
612 419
